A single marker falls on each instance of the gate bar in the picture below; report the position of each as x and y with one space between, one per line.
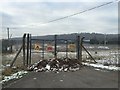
30 50
52 40
22 47
66 48
55 49
16 56
24 36
89 54
43 50
78 47
81 43
27 63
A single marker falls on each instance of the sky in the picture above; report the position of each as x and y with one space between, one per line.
32 16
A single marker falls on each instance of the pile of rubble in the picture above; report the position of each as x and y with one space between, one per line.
56 65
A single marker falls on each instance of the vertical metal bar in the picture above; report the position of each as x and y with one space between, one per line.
30 50
8 45
81 43
78 48
24 36
55 49
43 50
66 48
27 49
8 34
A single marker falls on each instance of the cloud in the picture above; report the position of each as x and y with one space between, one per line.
32 17
56 1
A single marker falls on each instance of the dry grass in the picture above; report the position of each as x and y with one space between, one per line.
7 72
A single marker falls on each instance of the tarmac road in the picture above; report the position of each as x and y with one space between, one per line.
87 77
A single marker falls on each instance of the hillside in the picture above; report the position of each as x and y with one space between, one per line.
110 38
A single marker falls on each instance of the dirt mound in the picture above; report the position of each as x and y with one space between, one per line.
56 65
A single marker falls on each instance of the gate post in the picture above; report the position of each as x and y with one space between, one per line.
43 42
55 47
24 36
27 62
81 43
78 48
30 50
66 48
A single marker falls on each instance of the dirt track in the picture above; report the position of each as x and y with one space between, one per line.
87 77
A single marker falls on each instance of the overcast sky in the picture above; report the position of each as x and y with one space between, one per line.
31 16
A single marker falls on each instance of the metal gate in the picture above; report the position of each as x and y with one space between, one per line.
44 47
57 48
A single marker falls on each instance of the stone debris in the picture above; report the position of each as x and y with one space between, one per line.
56 65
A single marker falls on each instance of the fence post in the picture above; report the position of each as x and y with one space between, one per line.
81 43
27 49
66 48
43 49
78 47
30 50
24 36
55 49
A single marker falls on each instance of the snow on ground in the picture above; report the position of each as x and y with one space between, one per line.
97 69
109 62
103 47
11 55
98 47
101 66
47 67
14 76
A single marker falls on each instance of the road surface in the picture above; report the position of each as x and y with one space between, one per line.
87 77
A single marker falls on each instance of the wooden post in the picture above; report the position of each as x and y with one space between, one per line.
55 49
27 49
24 36
30 50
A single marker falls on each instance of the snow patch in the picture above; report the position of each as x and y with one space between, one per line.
103 47
47 67
97 69
114 68
14 76
61 80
